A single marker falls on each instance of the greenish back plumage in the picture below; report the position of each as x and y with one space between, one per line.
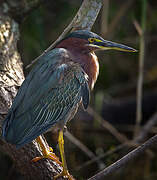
47 96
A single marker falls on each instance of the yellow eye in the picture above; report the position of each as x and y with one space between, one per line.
91 40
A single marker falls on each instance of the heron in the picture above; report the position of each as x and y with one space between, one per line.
50 95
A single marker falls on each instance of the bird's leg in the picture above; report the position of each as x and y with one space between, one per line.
47 153
65 172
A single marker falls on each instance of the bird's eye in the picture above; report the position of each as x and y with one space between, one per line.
91 40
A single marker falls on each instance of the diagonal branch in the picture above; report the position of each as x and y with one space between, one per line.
83 147
119 136
84 19
134 143
124 160
146 128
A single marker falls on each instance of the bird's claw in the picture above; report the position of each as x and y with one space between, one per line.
48 155
64 174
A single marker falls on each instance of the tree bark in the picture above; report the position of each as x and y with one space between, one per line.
11 77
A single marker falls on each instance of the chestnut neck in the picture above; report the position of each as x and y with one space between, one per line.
84 56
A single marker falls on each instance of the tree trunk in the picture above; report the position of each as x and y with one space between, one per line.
11 76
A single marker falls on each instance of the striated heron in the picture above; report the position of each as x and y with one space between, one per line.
53 90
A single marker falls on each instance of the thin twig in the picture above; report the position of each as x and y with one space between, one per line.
141 69
121 137
144 131
123 161
79 144
120 13
104 17
83 147
138 27
131 128
103 155
146 128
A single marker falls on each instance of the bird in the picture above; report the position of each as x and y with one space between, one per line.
50 95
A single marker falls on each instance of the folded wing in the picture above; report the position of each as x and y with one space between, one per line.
48 96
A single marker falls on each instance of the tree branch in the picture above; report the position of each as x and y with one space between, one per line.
146 128
124 160
11 76
119 136
84 19
139 139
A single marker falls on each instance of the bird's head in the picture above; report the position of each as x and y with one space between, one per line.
90 41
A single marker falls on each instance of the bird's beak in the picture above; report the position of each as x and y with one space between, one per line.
106 45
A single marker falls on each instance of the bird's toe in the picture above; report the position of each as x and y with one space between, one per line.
64 174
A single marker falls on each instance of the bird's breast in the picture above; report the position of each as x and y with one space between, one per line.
89 63
91 67
93 70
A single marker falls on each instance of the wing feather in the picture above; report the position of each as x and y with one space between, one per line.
45 99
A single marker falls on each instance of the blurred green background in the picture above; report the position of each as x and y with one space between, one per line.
114 95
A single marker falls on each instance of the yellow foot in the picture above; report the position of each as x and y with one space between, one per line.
64 174
49 155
